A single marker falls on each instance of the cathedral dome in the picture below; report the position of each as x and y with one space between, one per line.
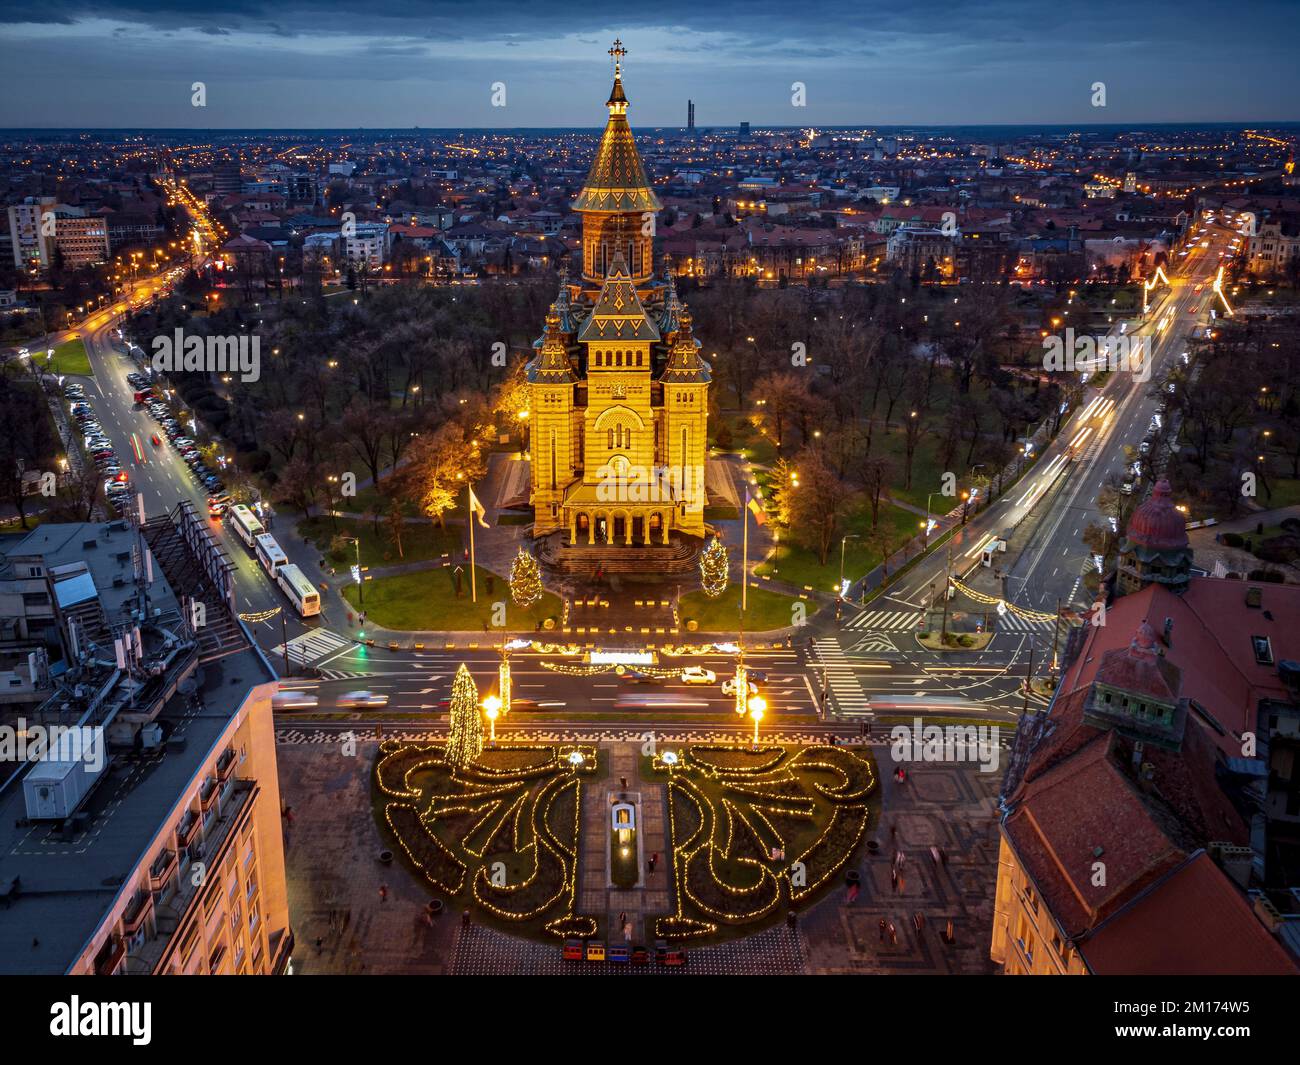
1157 524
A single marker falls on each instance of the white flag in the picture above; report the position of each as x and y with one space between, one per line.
477 508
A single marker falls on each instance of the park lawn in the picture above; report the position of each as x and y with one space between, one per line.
927 474
764 610
1286 493
369 500
426 600
748 441
420 542
70 358
800 565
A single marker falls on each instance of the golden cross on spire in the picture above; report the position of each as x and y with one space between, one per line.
618 52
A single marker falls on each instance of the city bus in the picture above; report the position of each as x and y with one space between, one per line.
270 554
301 592
245 524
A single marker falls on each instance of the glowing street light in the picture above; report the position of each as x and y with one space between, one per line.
756 707
492 707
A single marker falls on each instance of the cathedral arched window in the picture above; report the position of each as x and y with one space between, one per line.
611 440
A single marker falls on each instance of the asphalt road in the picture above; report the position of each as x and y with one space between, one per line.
889 670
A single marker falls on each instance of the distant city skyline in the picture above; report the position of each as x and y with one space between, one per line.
131 63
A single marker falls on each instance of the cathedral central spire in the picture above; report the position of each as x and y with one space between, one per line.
617 201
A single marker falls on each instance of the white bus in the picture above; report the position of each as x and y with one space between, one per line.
245 524
301 592
270 554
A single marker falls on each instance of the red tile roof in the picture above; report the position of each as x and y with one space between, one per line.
1194 922
1210 643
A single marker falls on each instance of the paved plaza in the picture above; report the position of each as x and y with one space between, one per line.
345 923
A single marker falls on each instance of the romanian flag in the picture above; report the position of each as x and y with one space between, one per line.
756 508
477 508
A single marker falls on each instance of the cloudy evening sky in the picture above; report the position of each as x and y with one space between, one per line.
130 63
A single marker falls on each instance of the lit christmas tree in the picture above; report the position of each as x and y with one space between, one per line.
714 566
466 740
525 579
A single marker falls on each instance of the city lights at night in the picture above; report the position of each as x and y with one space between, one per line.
749 489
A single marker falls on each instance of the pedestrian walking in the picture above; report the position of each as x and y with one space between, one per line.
622 918
853 893
947 932
918 922
383 892
893 879
893 934
654 860
882 927
627 931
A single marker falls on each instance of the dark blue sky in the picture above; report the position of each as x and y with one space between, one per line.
297 63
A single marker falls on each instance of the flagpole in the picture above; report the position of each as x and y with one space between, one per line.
469 520
744 562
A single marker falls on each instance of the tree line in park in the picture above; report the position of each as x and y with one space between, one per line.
407 386
1231 432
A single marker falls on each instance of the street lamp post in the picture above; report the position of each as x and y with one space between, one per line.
492 708
844 540
756 707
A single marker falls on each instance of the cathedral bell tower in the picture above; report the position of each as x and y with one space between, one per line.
617 204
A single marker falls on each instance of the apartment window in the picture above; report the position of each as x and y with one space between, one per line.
1263 650
187 947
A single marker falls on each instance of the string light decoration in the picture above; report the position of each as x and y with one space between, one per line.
258 618
516 802
993 600
737 818
465 743
525 579
715 568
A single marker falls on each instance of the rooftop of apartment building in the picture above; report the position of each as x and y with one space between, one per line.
58 878
1141 767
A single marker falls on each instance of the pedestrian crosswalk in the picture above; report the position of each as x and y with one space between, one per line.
885 620
841 678
341 674
874 643
312 646
1010 622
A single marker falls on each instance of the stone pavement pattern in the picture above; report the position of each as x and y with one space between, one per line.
333 868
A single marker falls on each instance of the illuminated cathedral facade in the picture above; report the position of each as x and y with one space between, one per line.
618 390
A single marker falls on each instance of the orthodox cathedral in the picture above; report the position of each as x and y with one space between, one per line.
618 390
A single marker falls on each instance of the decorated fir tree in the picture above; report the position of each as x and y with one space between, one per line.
714 566
466 740
525 579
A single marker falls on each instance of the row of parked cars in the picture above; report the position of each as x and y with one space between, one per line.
175 433
665 953
99 449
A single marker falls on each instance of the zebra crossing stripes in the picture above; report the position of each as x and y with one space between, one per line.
1010 622
313 645
341 674
841 678
885 620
